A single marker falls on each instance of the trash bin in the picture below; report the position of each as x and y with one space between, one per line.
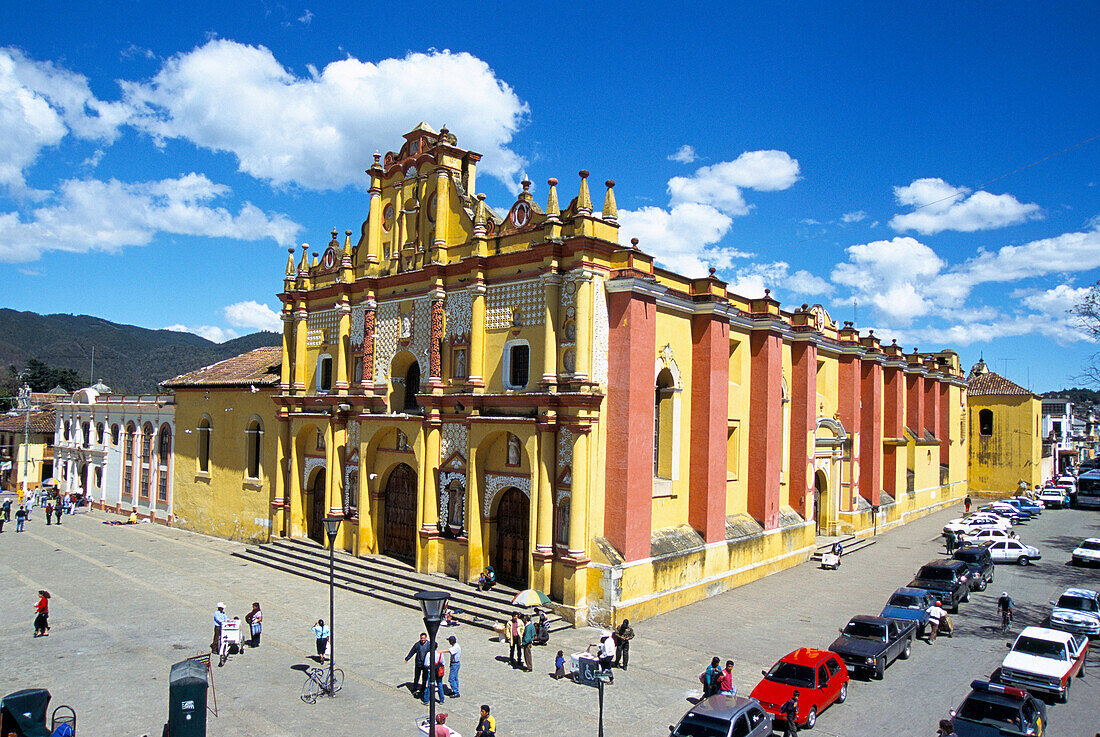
23 713
187 686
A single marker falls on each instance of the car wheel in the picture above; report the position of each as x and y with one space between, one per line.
844 694
966 595
811 718
982 585
880 668
955 607
1065 694
908 649
921 631
1023 560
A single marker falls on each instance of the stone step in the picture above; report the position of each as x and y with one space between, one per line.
391 581
849 547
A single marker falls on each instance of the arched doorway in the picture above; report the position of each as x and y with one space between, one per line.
315 507
399 514
821 501
512 526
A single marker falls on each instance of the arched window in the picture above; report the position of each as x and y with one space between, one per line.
324 373
68 430
412 387
254 435
114 434
164 452
985 422
86 430
99 434
146 457
663 428
128 462
517 364
561 530
203 454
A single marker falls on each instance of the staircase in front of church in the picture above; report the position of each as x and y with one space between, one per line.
391 580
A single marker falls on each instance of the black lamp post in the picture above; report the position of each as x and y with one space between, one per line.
332 526
433 603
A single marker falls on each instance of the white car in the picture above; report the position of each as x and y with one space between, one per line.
975 522
1088 552
1067 481
1045 660
1013 551
1077 610
1054 497
992 534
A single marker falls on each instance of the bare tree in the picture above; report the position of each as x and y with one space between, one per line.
1086 318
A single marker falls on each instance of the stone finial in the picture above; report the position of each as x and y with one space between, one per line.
805 306
712 271
313 263
347 242
584 198
290 262
303 265
610 210
552 209
526 184
634 244
480 216
767 294
334 243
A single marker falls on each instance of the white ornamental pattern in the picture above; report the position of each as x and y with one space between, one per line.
358 317
453 439
503 299
565 448
318 324
459 309
308 466
353 437
388 328
497 482
600 332
445 479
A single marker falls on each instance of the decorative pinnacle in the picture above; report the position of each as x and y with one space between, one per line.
712 270
584 199
634 243
767 294
526 184
552 209
610 210
290 262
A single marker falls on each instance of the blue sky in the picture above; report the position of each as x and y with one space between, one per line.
156 160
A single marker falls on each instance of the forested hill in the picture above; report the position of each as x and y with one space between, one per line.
128 359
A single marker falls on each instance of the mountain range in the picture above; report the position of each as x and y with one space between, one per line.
129 359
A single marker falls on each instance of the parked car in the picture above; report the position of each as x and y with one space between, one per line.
1088 552
980 563
994 709
975 522
1013 551
1077 610
819 676
724 716
910 604
1054 497
869 644
1045 661
1031 506
1003 509
988 536
949 579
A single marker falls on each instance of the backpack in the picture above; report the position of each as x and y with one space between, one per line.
439 671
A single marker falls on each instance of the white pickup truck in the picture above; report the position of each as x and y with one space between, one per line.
1045 660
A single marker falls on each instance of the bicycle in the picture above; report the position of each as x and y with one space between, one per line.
1006 620
317 684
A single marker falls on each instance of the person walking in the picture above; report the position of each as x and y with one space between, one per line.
789 710
605 651
936 614
454 654
321 633
255 624
622 636
725 680
527 641
219 619
42 618
7 510
435 678
486 725
419 651
49 512
950 541
709 678
559 665
966 504
20 518
57 512
515 640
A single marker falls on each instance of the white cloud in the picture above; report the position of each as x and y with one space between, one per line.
853 217
941 206
751 280
211 332
94 215
252 314
682 239
894 276
720 185
306 18
1056 302
685 155
1068 252
320 130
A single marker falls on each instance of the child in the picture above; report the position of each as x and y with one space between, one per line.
559 665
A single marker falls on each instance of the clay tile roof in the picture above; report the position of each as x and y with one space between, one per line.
41 421
991 383
255 368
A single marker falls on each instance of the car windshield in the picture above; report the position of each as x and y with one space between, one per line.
1090 545
935 573
1040 648
697 725
1080 603
865 629
905 601
969 556
986 711
799 676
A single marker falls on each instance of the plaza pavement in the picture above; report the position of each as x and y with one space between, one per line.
128 601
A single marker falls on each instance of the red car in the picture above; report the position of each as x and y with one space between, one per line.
819 676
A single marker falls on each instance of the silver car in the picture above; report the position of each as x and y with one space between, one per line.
724 716
1077 610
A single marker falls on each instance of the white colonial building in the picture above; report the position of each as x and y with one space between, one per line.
116 449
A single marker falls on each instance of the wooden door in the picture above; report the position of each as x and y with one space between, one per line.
316 525
512 524
399 530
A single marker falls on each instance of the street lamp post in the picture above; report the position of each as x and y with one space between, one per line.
25 407
432 603
332 525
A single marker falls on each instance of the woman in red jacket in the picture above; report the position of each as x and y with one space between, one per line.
41 622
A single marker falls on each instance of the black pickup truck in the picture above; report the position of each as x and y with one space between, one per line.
869 644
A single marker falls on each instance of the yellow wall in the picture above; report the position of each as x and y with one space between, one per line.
1013 453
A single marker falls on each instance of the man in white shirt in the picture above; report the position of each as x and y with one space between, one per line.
936 615
455 652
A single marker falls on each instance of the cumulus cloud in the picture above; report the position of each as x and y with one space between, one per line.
1068 252
853 217
682 238
211 332
753 279
940 206
93 215
685 155
252 314
720 185
319 130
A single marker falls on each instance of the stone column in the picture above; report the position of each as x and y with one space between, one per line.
342 339
544 529
551 297
474 546
584 330
870 432
280 489
851 416
893 405
477 338
803 423
709 425
765 426
300 330
295 511
578 498
285 378
944 433
914 402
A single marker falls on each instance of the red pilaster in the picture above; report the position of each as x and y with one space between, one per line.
849 404
765 426
932 407
893 413
944 433
914 403
710 338
803 422
870 432
628 497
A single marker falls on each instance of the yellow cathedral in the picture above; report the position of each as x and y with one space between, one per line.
468 388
